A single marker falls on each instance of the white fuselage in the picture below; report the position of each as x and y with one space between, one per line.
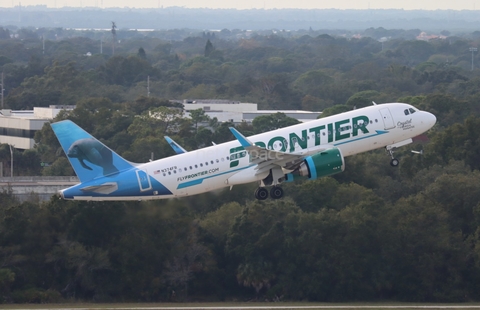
210 168
214 167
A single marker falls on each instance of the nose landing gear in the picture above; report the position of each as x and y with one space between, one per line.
394 162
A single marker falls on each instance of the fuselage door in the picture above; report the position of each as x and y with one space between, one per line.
143 180
387 118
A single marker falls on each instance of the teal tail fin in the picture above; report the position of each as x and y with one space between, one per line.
89 157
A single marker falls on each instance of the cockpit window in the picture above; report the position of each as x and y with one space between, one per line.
412 110
406 112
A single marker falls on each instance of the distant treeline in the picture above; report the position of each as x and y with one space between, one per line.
463 21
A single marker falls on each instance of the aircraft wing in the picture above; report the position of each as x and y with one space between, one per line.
267 159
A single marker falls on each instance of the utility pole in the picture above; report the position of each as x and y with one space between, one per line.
11 160
473 50
148 86
2 88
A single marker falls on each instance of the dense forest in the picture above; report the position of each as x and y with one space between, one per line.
374 232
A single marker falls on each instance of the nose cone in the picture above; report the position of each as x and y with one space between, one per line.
428 119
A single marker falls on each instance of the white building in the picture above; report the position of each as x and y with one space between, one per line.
18 128
237 112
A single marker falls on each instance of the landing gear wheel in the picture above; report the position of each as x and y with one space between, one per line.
261 193
394 162
276 192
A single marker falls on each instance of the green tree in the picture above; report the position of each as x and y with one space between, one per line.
126 71
457 142
198 116
141 53
209 49
274 121
311 82
337 109
362 99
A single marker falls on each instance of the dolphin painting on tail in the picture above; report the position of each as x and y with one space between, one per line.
89 157
91 150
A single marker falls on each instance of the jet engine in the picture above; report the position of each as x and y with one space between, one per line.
319 165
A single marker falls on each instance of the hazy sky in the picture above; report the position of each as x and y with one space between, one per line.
260 4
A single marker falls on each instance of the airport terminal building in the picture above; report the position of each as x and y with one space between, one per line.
237 112
17 128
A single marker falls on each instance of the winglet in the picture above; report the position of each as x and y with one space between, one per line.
241 138
175 146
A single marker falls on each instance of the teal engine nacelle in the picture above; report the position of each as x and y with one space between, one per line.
325 163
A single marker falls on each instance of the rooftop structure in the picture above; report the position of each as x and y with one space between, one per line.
18 128
237 112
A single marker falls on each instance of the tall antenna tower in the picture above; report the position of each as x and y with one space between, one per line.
2 89
114 37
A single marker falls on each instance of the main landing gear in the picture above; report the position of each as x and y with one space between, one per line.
276 192
275 177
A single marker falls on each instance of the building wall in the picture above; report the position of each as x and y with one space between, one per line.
19 132
221 107
18 128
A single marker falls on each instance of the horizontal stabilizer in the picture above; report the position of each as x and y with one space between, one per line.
105 188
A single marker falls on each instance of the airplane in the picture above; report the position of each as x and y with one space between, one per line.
308 151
